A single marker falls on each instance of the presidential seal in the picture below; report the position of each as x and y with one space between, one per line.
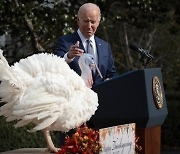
157 92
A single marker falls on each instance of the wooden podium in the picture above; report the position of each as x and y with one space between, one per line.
134 97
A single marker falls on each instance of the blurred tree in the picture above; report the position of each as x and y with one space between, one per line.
33 27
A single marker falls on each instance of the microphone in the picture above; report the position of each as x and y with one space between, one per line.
144 53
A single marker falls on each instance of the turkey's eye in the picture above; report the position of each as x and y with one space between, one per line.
92 58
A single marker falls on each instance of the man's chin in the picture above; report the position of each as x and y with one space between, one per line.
89 34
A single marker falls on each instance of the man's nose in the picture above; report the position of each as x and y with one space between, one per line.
89 24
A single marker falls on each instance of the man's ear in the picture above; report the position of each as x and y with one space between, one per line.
77 21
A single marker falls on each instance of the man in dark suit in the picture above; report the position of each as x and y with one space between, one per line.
72 46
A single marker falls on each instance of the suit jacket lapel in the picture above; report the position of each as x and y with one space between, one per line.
99 51
100 54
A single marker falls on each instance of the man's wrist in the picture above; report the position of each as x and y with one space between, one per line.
68 56
67 59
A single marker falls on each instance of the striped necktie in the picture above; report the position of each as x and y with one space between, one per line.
90 49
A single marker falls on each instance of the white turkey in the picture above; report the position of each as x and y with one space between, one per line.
42 89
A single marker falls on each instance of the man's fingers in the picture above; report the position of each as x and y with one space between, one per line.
77 44
79 50
75 51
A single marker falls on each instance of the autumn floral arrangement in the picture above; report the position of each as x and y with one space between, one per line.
84 141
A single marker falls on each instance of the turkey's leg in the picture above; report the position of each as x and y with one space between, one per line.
50 145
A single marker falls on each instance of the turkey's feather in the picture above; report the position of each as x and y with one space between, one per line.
47 122
42 89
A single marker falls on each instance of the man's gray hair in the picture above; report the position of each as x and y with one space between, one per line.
89 5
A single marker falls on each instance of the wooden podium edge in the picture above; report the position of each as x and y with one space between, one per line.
149 139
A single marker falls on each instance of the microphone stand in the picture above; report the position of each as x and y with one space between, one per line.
145 58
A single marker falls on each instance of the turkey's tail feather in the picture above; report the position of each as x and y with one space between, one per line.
10 82
43 116
11 88
5 68
4 61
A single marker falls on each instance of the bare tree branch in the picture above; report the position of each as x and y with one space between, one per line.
34 35
129 58
151 35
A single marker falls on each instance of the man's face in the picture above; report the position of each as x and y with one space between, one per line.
88 21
